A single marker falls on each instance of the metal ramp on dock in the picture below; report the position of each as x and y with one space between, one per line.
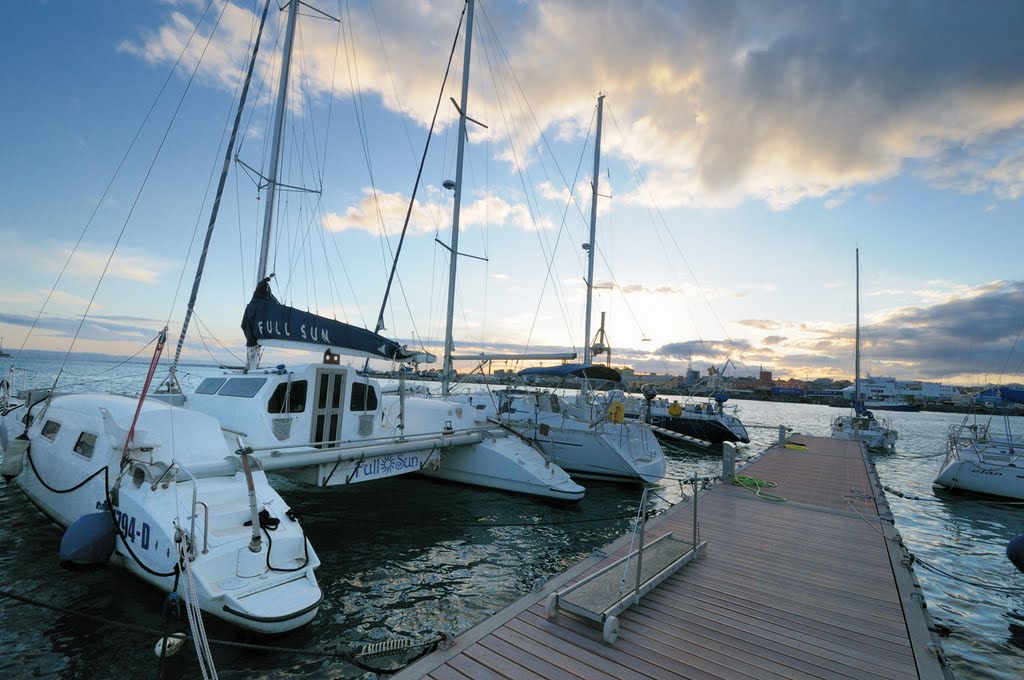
605 594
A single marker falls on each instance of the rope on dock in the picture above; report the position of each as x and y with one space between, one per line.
757 486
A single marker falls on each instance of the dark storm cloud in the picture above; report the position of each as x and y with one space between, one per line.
969 335
712 350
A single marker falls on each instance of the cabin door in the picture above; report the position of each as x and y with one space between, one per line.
327 408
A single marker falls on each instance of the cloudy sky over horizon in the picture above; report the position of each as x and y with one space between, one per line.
748 149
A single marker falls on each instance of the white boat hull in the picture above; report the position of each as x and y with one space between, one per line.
987 467
153 506
506 464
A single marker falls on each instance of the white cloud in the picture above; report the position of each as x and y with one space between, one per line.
491 210
718 102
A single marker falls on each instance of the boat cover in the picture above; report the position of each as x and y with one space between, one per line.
578 370
1010 394
267 321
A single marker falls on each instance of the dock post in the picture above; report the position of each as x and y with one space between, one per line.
728 462
782 435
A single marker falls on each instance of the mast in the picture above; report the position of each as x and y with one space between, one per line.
253 358
589 247
228 153
856 354
449 344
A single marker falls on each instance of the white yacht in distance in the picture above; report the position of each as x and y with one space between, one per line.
861 424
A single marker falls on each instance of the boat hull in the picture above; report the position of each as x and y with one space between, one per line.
706 429
506 464
962 475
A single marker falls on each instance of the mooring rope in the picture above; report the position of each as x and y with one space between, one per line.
195 617
427 645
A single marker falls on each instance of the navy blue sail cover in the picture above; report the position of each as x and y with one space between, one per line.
578 370
1011 394
267 319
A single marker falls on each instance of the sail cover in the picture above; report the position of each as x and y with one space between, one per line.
1013 395
579 370
268 322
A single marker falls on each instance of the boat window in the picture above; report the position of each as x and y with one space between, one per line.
242 387
210 385
364 398
288 398
86 444
50 428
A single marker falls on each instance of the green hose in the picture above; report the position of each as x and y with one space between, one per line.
758 485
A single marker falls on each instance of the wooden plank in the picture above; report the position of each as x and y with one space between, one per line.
800 589
573 667
525 658
447 673
804 645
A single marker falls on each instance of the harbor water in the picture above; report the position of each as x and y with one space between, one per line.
407 558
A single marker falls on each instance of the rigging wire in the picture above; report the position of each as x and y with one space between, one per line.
419 173
138 196
110 183
519 161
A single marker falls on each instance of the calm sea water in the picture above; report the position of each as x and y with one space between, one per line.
410 557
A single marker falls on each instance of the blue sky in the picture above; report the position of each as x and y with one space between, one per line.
770 140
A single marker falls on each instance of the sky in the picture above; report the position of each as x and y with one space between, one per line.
748 149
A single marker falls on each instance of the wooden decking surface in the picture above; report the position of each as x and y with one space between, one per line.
807 588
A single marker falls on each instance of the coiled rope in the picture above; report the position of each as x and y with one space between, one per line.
757 486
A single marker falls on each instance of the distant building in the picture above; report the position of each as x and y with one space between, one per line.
912 390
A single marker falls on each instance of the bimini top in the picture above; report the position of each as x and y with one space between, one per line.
578 370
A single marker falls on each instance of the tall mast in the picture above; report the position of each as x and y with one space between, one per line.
589 247
449 344
856 355
275 156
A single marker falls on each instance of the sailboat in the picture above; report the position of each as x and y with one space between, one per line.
861 424
980 462
503 460
590 438
167 485
706 421
158 490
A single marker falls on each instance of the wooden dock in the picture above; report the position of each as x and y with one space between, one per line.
816 586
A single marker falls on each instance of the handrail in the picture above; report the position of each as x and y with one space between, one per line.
195 500
206 525
373 440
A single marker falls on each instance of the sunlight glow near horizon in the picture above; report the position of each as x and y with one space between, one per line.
761 175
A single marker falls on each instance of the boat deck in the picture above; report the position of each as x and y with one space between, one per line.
810 587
